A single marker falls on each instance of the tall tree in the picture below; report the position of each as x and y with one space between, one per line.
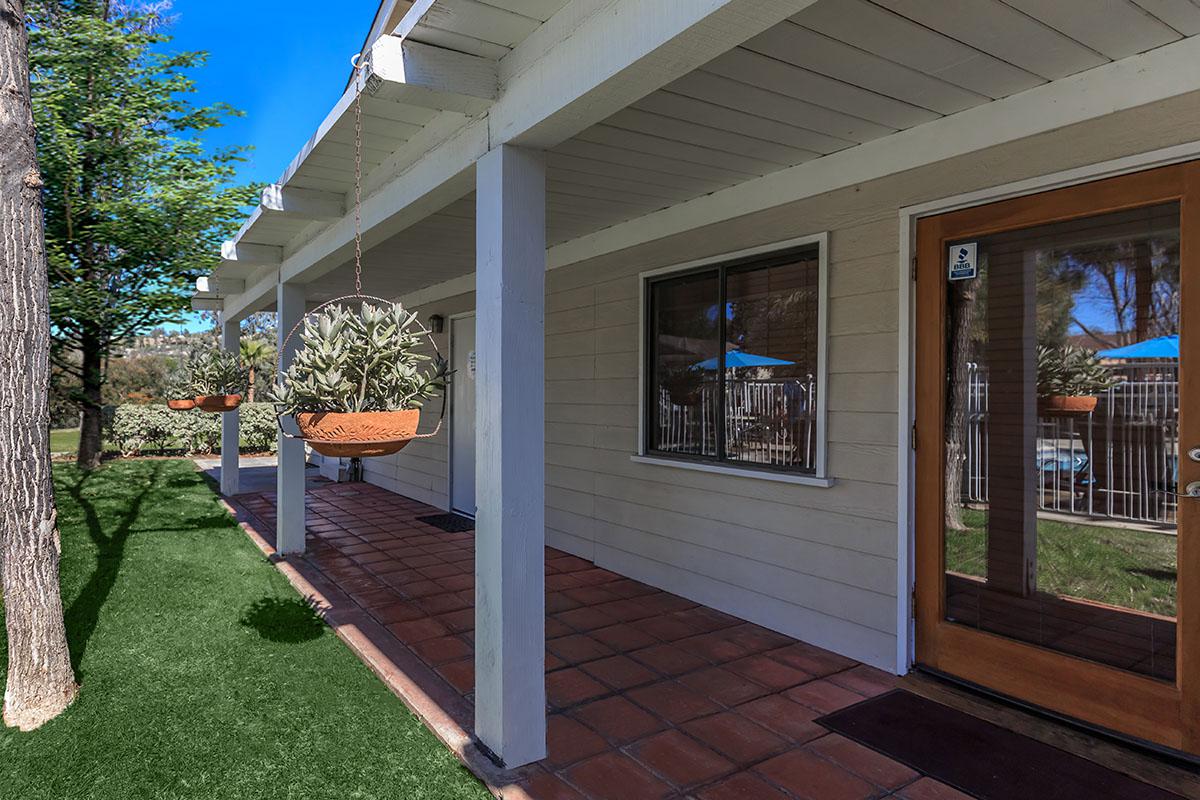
40 682
255 354
135 205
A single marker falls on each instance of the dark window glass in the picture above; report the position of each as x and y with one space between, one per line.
684 336
733 363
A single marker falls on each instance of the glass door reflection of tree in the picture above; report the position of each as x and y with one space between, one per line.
1062 453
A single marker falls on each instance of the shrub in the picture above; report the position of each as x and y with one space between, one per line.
257 426
198 432
134 427
137 429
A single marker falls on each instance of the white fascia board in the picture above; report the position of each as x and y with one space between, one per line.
413 17
430 77
310 204
614 57
1156 75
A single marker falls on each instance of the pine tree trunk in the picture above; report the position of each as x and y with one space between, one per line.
91 421
40 681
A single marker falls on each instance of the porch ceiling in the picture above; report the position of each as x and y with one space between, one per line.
488 29
839 74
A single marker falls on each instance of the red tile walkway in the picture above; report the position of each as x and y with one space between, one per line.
650 695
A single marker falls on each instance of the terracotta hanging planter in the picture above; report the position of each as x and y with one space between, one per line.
1066 404
358 434
182 404
218 403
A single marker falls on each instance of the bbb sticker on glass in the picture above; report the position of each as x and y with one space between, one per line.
963 262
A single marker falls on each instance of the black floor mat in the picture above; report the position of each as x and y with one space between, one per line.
450 523
978 757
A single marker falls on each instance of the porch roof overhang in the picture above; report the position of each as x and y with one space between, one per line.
658 124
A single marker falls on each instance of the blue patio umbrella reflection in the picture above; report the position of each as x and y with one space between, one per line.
736 358
1159 347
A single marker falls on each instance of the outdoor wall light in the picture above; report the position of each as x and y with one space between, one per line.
437 323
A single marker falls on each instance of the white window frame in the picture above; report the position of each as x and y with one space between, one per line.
819 477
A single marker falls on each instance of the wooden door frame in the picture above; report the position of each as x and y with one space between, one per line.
1135 705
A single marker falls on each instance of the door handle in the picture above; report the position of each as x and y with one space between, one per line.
1191 490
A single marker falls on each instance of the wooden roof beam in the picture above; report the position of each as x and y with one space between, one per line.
214 284
311 204
257 255
430 77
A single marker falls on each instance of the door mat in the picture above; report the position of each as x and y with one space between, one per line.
978 757
450 523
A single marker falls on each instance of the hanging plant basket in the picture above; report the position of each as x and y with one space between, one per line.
1058 405
182 404
218 403
359 434
364 358
354 387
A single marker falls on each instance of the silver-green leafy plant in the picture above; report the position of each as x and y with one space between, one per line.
216 371
1071 371
179 383
364 360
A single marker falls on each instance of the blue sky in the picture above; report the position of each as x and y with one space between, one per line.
283 62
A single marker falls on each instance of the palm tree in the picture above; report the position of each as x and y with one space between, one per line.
256 354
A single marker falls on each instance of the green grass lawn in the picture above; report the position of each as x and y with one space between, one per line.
203 676
64 440
1129 568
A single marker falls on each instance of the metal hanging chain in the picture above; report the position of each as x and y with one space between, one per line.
358 176
356 62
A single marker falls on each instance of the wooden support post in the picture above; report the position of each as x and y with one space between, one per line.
1012 420
231 332
510 605
289 530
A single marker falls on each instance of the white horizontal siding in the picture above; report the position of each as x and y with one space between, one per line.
816 563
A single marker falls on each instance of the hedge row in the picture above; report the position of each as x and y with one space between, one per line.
137 428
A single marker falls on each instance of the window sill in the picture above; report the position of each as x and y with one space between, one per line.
736 472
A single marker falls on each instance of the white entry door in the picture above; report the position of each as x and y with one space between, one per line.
462 415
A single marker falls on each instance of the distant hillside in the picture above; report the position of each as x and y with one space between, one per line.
163 343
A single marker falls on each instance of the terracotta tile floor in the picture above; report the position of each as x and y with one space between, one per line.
650 695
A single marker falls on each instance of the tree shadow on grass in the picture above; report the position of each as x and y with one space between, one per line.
84 614
1156 574
292 621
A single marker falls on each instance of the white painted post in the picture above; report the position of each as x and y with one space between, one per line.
510 605
231 342
289 474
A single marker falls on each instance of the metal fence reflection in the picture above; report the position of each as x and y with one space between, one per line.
1119 461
